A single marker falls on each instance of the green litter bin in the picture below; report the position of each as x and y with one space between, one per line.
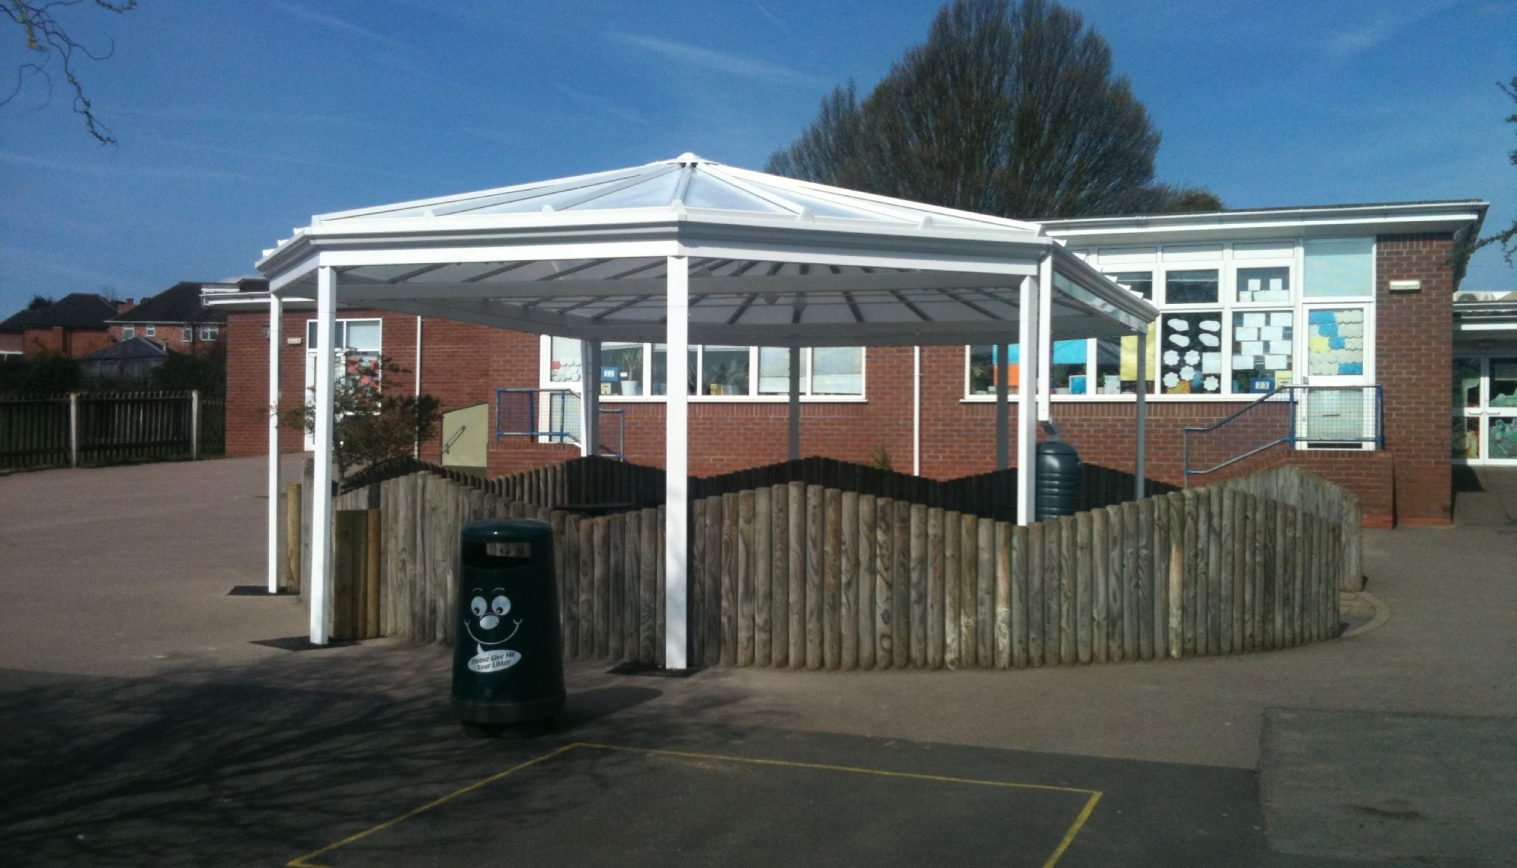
508 664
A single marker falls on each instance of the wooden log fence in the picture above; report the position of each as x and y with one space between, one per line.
796 575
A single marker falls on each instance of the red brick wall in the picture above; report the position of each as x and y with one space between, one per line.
464 364
62 341
1414 363
171 337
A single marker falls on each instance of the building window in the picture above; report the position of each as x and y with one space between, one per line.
1196 286
1264 284
187 334
1141 282
1261 350
128 332
1190 354
1335 339
150 330
1339 267
1068 374
208 332
635 370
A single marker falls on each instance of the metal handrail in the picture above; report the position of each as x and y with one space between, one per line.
1291 435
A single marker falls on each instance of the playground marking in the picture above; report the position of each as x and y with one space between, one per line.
1093 796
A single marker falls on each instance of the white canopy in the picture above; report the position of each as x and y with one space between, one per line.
688 250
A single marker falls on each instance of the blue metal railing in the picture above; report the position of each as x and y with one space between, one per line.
554 415
1311 416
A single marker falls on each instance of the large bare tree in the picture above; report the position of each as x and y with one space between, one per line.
1009 108
46 37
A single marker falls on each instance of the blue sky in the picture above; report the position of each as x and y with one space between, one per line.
238 120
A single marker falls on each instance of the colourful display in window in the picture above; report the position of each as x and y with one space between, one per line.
1191 357
1262 357
1335 342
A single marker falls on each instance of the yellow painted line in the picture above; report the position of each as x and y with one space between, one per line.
1069 836
300 861
1094 796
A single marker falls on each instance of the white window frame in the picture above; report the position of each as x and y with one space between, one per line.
545 380
210 332
150 330
310 357
187 335
128 332
1227 258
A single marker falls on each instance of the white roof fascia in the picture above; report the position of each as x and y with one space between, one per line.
1325 221
1089 286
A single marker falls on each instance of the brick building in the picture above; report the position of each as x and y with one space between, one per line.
75 325
177 319
1359 297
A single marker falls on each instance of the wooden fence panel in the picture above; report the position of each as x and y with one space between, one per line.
1035 606
985 593
953 572
763 578
730 555
745 578
779 564
935 581
1148 596
1067 579
1084 617
886 599
864 581
1003 584
968 532
1188 625
1021 548
648 599
1176 574
798 509
1099 564
917 585
815 565
848 575
1053 596
1214 577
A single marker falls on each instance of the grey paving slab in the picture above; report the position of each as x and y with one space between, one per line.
1429 789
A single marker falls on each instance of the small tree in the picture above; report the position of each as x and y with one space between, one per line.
370 427
1507 237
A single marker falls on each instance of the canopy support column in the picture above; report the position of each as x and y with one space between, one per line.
1003 422
589 405
795 403
275 321
1045 338
676 466
321 484
1027 395
1141 462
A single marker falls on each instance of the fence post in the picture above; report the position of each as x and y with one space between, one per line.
194 424
73 429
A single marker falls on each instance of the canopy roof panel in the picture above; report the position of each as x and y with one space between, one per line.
772 261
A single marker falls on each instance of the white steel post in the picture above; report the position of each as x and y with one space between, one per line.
194 424
276 320
1141 462
676 466
1003 422
916 411
1027 394
1045 337
321 483
73 429
795 403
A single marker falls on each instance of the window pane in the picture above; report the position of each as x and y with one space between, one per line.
563 360
1466 442
1503 384
1262 357
1503 443
1335 342
621 368
1117 364
363 334
1141 282
1340 266
661 371
1466 382
1191 355
837 371
1067 375
724 371
774 370
311 335
1191 287
1264 284
982 369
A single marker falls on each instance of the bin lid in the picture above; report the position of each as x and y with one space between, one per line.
507 530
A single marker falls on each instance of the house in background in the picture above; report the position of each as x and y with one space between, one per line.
1355 297
127 363
72 326
178 319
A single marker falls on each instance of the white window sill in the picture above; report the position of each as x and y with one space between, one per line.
736 399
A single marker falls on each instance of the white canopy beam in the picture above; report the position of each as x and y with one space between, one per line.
276 319
676 465
321 483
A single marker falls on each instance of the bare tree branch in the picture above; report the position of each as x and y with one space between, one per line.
47 36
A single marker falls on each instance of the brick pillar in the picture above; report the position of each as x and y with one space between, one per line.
1414 364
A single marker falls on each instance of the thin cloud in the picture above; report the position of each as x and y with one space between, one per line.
1379 30
269 156
605 106
339 24
64 266
773 19
116 170
715 61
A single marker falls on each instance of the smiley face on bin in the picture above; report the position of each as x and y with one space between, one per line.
487 625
